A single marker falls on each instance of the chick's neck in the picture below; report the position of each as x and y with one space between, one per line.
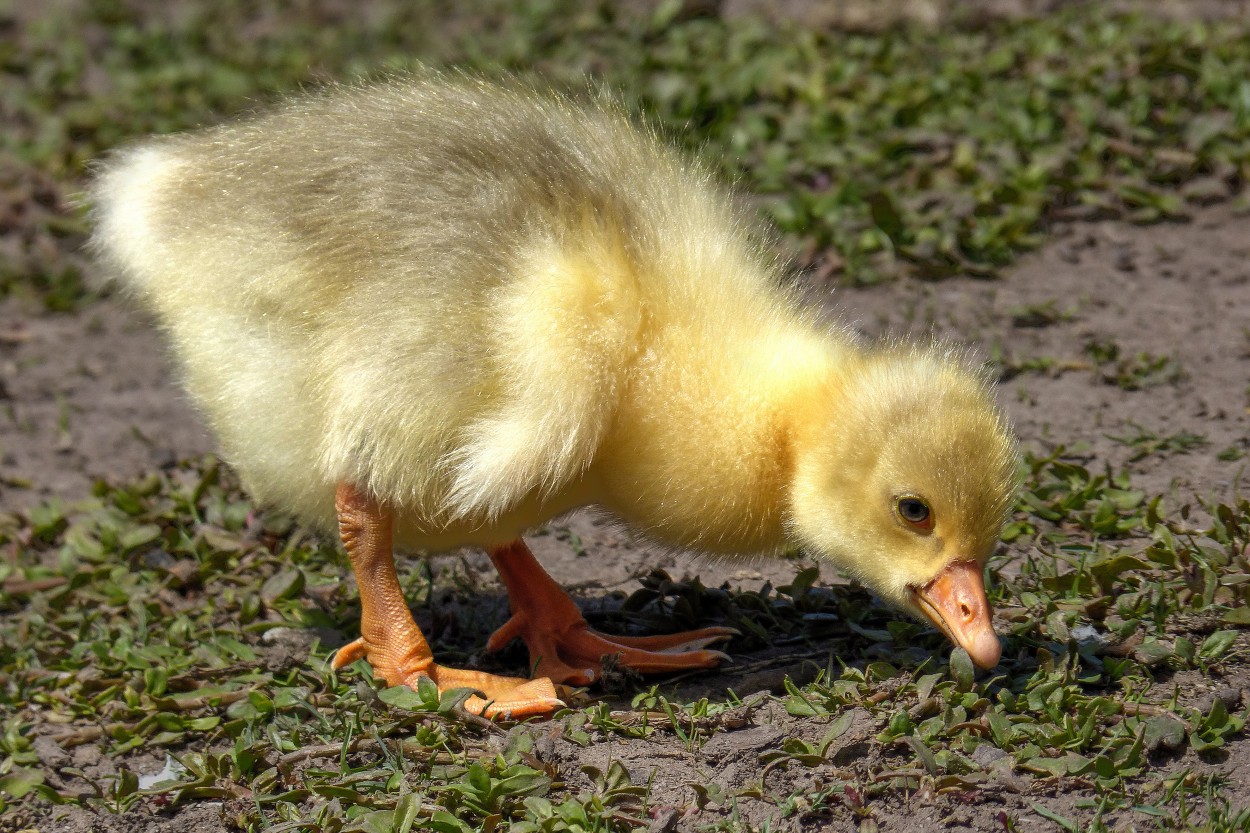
701 453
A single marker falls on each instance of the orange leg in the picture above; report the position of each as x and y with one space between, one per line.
390 638
564 648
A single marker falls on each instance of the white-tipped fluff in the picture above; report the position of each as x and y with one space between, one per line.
490 305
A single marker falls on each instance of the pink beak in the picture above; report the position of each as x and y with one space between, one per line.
955 602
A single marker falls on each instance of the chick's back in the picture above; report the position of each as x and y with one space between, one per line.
431 287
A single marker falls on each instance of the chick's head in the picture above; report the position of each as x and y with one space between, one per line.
904 479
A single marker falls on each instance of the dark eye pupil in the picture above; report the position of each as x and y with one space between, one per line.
913 510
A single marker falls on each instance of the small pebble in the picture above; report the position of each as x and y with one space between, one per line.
987 753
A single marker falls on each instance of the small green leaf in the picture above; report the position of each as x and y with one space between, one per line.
444 822
1152 652
428 690
1106 572
1238 615
403 697
235 648
406 810
962 670
1215 645
138 536
1046 766
478 778
925 684
923 754
285 584
1001 728
1217 718
19 781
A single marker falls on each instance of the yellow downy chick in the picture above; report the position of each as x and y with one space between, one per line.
443 311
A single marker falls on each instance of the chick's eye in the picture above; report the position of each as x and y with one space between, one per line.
915 511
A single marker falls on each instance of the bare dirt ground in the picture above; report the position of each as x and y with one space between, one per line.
1110 333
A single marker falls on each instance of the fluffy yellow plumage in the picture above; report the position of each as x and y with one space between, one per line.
485 306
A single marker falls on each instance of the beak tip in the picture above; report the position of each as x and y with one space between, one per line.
985 650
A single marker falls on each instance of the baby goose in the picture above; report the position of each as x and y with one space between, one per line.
443 312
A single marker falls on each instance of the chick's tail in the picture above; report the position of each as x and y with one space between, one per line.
123 198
